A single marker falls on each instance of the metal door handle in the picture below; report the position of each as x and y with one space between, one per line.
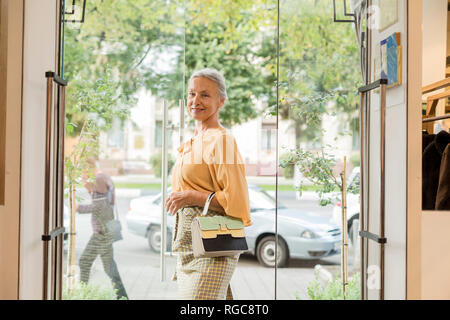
381 239
58 116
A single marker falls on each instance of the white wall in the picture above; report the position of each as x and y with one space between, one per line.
434 40
434 51
395 213
39 57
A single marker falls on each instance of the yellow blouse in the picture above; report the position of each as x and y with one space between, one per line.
211 162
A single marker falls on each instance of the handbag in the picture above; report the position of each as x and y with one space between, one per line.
217 236
115 226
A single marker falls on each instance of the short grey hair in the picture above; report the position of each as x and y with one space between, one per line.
214 75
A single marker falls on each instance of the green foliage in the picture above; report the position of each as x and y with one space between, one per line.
235 37
333 290
76 164
355 159
131 37
317 167
319 64
156 162
287 166
88 291
94 100
92 107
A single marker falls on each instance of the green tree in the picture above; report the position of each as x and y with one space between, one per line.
319 64
96 104
116 35
130 37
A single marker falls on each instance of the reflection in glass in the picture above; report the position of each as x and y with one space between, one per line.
128 58
319 77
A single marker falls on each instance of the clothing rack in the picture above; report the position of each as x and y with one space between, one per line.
433 119
432 102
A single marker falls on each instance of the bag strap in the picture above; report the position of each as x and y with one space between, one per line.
208 200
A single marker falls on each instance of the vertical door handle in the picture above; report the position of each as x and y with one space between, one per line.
58 115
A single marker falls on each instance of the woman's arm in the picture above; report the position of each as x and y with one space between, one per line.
177 200
199 198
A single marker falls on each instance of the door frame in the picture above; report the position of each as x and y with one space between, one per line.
40 54
11 46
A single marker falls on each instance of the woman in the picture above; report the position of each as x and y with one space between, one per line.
208 162
102 238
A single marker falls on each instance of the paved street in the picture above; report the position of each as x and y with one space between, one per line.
140 267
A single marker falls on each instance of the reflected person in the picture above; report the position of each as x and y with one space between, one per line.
101 241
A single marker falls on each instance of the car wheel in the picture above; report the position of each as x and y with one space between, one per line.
154 239
265 252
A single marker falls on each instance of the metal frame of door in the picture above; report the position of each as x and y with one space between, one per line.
53 232
54 188
365 161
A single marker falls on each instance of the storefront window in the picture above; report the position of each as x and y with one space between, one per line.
128 60
318 124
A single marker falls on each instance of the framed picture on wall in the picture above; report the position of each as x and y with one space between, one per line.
388 13
391 60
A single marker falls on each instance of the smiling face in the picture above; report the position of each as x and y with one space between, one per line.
204 101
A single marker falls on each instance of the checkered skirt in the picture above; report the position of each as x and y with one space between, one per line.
199 278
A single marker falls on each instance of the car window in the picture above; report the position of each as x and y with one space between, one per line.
353 186
157 200
261 200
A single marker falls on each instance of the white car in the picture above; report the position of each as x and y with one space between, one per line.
353 205
302 235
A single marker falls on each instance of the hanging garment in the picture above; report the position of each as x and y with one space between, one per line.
431 164
443 192
427 139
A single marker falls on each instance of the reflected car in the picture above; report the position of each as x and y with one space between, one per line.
302 235
353 205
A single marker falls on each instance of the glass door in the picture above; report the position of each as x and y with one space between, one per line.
124 61
318 149
291 77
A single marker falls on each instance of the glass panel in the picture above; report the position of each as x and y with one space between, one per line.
238 39
126 59
318 128
121 63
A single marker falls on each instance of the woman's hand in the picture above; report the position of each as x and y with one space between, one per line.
177 200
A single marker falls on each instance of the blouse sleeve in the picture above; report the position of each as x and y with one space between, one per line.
228 176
